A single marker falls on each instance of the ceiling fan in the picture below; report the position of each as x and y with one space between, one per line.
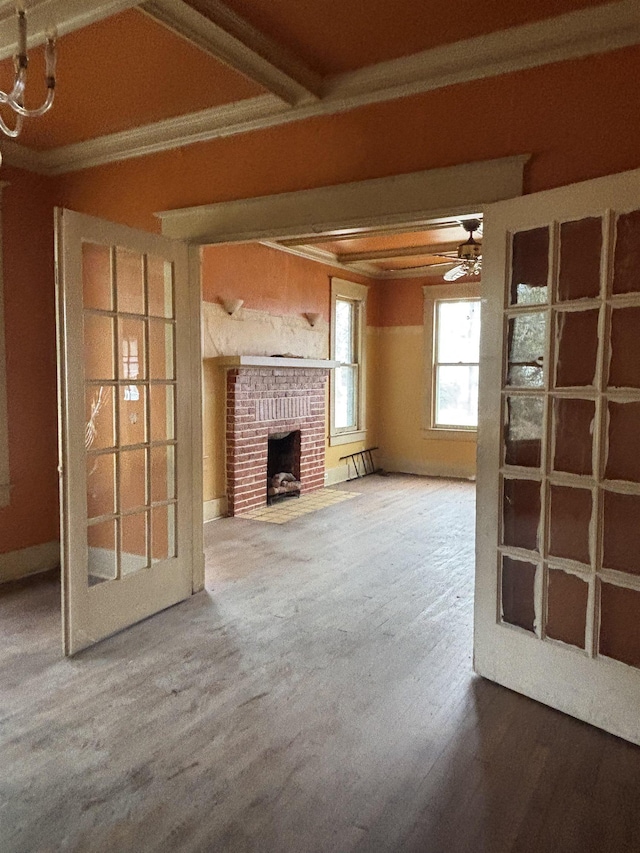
469 253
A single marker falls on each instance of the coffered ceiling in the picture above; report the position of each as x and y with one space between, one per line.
141 77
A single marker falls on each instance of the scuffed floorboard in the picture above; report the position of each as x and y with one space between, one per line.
317 697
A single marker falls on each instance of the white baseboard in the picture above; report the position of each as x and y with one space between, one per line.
217 508
29 561
339 474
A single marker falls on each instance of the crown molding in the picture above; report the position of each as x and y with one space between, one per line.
400 252
321 256
65 15
236 43
575 34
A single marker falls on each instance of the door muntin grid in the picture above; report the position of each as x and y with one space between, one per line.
565 446
131 396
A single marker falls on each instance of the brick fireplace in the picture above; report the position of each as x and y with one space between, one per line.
270 396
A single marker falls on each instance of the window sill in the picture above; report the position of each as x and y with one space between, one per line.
432 434
347 437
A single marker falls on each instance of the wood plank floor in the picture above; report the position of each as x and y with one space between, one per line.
317 697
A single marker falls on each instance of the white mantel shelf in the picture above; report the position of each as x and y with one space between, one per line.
272 361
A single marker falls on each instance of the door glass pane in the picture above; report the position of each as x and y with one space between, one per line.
162 474
457 396
101 484
521 513
573 425
162 412
163 541
530 267
344 333
132 414
160 287
98 348
621 534
523 431
567 600
526 349
623 456
620 623
133 554
570 517
517 593
131 340
577 342
345 397
99 417
580 249
627 253
161 349
129 281
624 368
102 553
97 291
458 325
133 479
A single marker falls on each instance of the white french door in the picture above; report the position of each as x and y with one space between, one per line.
557 613
130 493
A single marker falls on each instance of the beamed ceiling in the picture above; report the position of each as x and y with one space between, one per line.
136 78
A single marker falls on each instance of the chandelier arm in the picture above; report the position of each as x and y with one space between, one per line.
48 103
13 133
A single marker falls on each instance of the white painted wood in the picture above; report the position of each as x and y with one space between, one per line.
214 509
4 414
235 42
432 294
411 199
273 361
597 690
356 293
93 612
196 395
575 34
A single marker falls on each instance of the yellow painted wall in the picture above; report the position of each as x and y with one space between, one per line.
401 417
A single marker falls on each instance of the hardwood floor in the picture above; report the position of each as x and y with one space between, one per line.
317 697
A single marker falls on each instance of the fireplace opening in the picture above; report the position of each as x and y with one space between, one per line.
283 466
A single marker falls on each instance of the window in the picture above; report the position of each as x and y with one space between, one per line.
347 392
452 328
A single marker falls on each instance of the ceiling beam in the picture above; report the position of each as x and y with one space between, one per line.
223 34
353 233
43 15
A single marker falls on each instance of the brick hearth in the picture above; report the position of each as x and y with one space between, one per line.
262 401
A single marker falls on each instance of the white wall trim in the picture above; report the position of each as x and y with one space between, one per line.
214 509
29 561
432 294
432 468
411 199
573 35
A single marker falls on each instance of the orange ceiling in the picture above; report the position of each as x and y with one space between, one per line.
385 242
120 73
333 36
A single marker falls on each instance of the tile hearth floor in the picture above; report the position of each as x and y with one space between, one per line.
291 508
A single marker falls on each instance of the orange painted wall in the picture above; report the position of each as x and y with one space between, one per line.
400 301
27 220
270 280
573 117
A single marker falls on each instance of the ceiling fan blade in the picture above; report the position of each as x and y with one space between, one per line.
455 273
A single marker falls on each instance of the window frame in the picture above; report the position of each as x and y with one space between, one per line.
4 414
349 291
433 294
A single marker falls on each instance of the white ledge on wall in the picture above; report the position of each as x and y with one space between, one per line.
272 361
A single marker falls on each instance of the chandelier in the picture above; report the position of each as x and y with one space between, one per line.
15 98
